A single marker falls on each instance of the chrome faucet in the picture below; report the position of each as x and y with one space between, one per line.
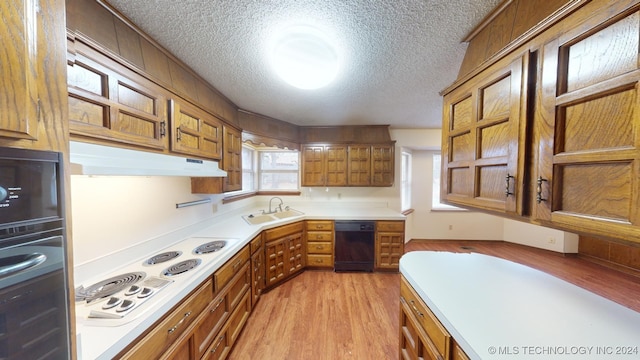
279 206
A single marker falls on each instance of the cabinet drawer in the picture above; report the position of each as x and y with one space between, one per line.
282 231
319 248
394 226
319 260
230 268
256 244
215 315
432 327
320 236
319 225
169 330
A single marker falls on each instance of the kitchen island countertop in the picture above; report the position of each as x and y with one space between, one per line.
498 309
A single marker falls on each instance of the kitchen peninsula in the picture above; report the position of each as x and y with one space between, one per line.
497 309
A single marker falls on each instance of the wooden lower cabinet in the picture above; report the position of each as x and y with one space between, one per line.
422 336
257 268
206 324
389 244
320 240
285 252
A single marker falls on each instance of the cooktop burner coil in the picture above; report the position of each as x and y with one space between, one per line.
109 286
210 247
160 258
181 267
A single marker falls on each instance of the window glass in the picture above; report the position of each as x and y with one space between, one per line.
278 170
435 197
405 181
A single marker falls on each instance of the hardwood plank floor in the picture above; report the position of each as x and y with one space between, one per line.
327 315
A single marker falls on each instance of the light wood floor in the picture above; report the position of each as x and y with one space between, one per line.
327 315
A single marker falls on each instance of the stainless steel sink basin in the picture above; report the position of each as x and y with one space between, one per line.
253 219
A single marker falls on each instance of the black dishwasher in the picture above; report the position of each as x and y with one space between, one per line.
355 245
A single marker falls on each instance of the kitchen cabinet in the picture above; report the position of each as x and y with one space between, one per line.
168 331
232 158
324 165
587 174
33 105
257 268
206 323
422 336
545 130
347 165
194 131
112 103
482 150
320 240
389 246
284 252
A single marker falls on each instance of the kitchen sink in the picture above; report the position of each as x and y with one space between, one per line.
253 219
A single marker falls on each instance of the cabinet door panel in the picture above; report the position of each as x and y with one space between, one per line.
588 168
382 165
336 165
313 172
195 132
359 165
483 164
19 69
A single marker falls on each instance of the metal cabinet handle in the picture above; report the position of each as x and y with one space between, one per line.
163 128
178 134
507 191
319 247
176 326
416 309
539 198
217 305
221 338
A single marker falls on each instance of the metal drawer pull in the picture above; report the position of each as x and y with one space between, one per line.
507 191
416 309
319 247
539 198
175 327
218 344
217 305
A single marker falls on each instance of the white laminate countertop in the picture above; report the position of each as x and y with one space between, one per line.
104 342
498 309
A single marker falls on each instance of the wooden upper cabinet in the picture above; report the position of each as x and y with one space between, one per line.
110 102
382 165
324 165
232 158
359 165
483 152
587 176
19 68
194 131
33 104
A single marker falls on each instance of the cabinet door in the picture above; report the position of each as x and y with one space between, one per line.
313 171
483 132
389 249
335 165
194 131
359 165
19 69
109 102
382 165
296 252
232 158
275 253
588 127
257 275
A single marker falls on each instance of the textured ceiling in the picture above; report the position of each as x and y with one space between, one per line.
397 54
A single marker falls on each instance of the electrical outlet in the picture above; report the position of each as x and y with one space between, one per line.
214 208
450 227
551 240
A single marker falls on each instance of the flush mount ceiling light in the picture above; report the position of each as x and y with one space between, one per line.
304 57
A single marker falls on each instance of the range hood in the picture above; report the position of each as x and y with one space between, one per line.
92 159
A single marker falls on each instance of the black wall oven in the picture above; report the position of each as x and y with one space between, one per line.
34 304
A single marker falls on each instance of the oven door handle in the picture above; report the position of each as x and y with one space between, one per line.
32 260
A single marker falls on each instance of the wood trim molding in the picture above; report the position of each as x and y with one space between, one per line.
486 21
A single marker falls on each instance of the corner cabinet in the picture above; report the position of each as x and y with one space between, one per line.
587 177
482 162
284 252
